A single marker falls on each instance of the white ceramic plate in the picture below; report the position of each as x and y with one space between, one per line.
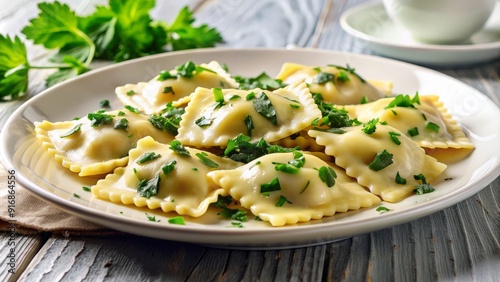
49 181
371 24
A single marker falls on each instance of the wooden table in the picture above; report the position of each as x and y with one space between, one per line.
460 243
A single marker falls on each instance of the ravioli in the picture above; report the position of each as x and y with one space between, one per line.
299 196
98 143
174 86
426 122
170 177
366 158
216 115
336 84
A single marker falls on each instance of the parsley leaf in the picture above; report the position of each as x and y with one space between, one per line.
394 137
179 220
149 188
146 157
206 161
273 185
262 81
265 108
249 124
240 149
121 124
178 148
281 201
168 167
381 161
99 118
370 126
327 175
72 131
13 68
181 34
423 188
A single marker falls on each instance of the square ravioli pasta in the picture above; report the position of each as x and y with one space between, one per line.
174 86
384 160
214 116
338 85
287 188
171 177
97 143
424 119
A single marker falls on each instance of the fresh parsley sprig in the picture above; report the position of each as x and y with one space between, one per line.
119 31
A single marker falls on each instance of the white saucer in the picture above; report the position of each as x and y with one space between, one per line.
370 23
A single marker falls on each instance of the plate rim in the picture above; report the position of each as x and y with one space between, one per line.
383 220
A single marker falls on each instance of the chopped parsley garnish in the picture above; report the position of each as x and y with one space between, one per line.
120 113
205 160
132 109
399 179
236 214
72 131
86 188
168 167
281 201
342 76
249 124
323 77
219 97
265 108
273 185
404 101
186 70
151 218
250 96
350 70
327 175
332 116
168 89
364 100
121 124
178 148
394 137
76 196
104 104
382 209
423 188
130 92
177 220
413 132
293 166
146 157
237 224
381 160
168 120
370 126
149 188
432 126
240 149
262 81
234 97
99 118
203 122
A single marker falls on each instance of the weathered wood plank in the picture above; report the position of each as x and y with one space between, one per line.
119 258
16 252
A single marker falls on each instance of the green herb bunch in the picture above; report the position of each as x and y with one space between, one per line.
120 31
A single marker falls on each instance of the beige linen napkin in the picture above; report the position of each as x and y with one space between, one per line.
32 215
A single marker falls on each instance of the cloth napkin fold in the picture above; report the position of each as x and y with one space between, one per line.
32 215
